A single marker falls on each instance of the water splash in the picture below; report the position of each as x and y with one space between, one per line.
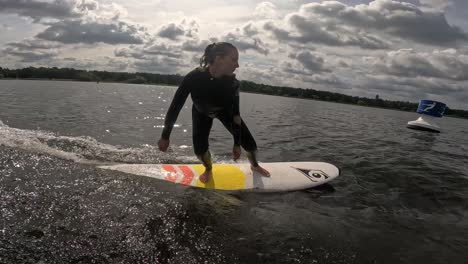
84 149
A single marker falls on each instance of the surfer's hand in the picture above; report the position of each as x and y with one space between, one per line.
163 144
236 152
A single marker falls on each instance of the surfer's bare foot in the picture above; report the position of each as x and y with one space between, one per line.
205 176
260 170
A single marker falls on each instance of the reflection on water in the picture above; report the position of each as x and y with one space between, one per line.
400 195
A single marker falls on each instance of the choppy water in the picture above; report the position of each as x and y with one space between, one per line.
401 197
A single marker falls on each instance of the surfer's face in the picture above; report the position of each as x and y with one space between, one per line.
229 63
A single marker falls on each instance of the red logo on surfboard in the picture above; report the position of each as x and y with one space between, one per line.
178 173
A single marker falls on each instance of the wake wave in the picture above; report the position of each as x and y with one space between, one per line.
83 149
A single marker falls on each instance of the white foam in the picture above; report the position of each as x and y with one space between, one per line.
31 141
83 149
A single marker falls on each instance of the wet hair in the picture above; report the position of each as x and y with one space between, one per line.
213 50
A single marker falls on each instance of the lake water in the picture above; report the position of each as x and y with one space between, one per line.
401 197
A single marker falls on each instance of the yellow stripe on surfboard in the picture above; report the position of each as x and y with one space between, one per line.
225 177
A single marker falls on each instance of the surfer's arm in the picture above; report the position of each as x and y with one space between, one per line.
237 120
236 101
174 109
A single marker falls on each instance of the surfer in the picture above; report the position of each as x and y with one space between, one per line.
214 90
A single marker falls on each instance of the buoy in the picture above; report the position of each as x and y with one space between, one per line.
430 111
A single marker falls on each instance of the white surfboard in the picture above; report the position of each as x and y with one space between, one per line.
285 176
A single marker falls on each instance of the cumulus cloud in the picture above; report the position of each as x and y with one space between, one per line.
412 89
31 50
329 81
195 45
165 65
303 30
265 10
410 75
161 57
250 30
29 44
171 31
70 31
265 75
310 62
147 52
175 31
438 4
5 27
102 63
78 21
335 23
445 64
30 56
318 45
407 21
244 41
274 75
40 10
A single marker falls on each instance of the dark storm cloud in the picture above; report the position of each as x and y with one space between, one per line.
92 32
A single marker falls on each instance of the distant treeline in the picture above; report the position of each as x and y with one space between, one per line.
175 79
340 98
90 76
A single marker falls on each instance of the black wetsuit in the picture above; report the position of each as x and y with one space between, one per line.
212 98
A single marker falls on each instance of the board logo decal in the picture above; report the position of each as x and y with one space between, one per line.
188 175
313 175
170 173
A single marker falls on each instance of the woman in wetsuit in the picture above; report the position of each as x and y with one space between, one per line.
215 94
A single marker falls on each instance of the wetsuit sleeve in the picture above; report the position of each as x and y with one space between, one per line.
236 112
236 108
237 134
176 105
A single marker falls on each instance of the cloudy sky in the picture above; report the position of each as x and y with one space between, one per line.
401 50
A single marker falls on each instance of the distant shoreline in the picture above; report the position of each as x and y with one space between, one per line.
40 79
75 80
68 74
252 92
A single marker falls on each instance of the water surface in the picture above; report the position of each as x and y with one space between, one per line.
400 198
